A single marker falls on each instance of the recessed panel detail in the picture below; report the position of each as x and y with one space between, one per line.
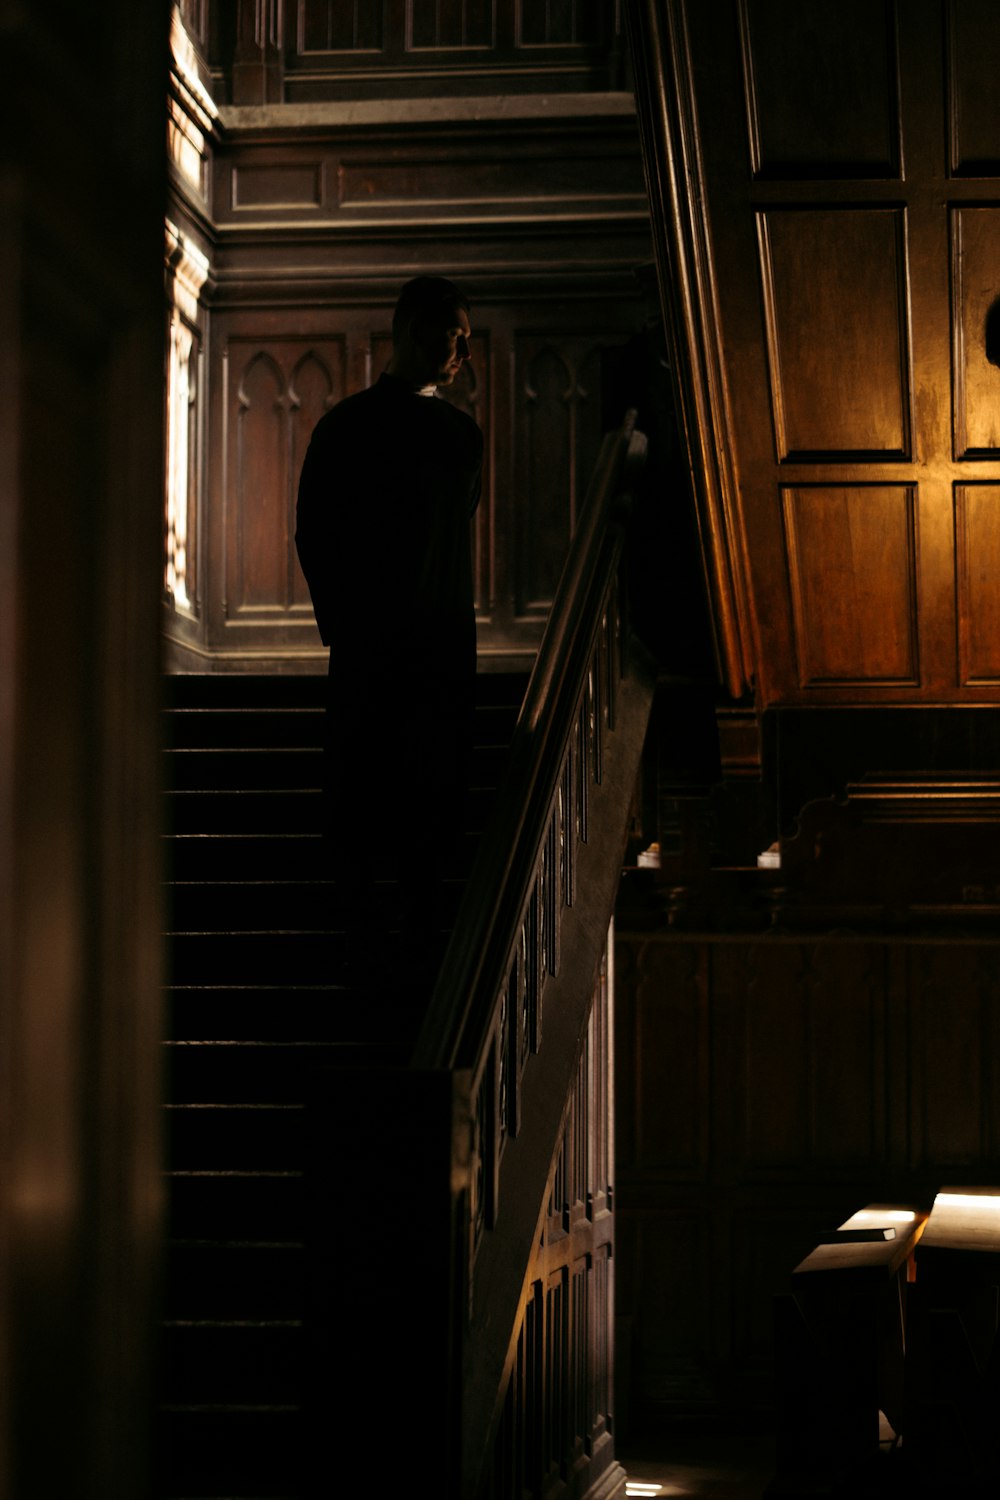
822 94
851 560
975 318
973 99
287 186
977 554
834 286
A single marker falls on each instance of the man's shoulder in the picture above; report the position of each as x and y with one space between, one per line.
345 413
461 420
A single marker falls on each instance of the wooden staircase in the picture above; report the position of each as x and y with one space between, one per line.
256 1006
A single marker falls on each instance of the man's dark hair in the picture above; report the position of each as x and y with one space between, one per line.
425 297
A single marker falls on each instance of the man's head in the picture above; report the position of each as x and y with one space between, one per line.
430 331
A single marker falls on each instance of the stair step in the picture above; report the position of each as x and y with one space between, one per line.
260 1015
216 856
233 1362
282 1013
241 1279
212 768
251 1072
231 1137
256 957
215 690
215 728
250 905
210 1452
243 1205
273 810
297 810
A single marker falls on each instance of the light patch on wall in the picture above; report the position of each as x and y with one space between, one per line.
187 272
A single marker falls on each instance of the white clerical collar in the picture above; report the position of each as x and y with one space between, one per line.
425 390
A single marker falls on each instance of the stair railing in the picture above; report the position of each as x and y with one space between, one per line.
487 1017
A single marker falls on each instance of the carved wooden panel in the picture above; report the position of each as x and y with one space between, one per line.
427 41
272 381
822 99
558 393
461 24
977 522
338 26
555 1432
838 360
976 331
852 566
274 392
973 41
579 22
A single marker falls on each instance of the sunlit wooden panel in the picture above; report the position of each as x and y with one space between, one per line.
851 559
834 297
975 283
261 479
339 26
450 23
821 87
977 537
312 391
973 47
276 393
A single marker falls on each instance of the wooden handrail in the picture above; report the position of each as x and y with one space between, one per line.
459 1022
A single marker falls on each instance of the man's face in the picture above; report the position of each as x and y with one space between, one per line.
443 344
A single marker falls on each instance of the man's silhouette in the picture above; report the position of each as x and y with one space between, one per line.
390 479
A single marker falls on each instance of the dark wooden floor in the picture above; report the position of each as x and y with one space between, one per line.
702 1463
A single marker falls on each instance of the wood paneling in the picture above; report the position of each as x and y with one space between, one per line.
838 359
975 234
557 1420
832 314
822 99
536 208
272 392
973 42
280 185
558 434
977 521
852 568
840 1070
541 439
353 48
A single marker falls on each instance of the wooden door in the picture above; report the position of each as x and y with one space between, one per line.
826 181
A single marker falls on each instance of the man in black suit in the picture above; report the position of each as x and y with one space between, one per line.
390 480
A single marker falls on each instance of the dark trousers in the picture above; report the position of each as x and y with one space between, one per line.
397 759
